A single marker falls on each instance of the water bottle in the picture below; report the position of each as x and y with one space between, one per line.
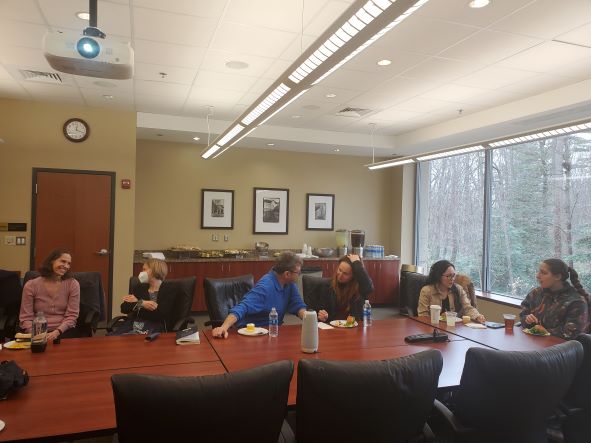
366 314
39 333
273 323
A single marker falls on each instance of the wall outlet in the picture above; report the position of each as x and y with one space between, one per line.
21 241
226 237
214 237
9 240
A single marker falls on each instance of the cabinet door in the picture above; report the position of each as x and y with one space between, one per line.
384 275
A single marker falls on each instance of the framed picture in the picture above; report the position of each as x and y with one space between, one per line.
217 209
319 212
271 211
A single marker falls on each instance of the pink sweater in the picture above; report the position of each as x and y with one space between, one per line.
61 310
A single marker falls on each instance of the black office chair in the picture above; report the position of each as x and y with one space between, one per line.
244 406
367 401
91 301
180 292
222 294
505 396
10 302
313 289
410 289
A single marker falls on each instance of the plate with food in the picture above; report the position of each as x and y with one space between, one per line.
349 323
538 330
443 318
14 345
252 331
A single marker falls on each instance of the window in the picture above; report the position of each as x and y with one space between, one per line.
539 207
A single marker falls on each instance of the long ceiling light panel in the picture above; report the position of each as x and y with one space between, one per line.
359 26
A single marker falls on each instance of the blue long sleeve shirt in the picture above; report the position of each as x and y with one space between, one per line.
268 293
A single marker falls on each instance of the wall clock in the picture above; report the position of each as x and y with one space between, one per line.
76 130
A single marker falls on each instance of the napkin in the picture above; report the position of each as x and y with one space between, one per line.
475 326
322 325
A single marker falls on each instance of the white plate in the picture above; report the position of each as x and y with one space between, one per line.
527 331
17 345
342 323
2 424
443 318
257 331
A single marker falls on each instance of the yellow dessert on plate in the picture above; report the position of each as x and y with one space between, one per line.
250 327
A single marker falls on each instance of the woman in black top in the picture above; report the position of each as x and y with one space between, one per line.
349 289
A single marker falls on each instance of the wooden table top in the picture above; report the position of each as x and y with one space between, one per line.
515 340
77 404
102 353
383 340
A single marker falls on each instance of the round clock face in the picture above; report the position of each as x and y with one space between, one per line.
76 130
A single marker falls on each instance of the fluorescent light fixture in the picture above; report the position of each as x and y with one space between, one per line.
541 135
450 153
195 138
390 163
364 22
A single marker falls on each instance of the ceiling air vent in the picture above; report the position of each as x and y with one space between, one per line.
40 76
352 112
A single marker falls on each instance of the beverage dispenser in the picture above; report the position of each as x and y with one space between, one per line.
358 241
342 242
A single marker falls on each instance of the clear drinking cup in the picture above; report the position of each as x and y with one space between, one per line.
435 312
450 317
509 321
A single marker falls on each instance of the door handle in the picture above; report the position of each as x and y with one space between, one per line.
102 252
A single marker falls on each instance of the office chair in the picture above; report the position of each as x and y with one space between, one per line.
92 299
222 294
313 288
410 289
369 401
506 395
468 286
247 406
10 302
177 292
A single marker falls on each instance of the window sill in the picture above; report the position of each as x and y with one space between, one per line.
500 299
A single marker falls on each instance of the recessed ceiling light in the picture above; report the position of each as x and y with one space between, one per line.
159 135
195 138
296 116
82 15
336 150
236 64
330 95
384 62
108 97
270 144
478 3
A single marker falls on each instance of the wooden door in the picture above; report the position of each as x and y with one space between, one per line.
74 210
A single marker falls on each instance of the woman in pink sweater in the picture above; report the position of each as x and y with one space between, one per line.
55 293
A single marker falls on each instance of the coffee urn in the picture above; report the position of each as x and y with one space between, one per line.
358 241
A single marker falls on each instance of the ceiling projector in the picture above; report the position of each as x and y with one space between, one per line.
91 54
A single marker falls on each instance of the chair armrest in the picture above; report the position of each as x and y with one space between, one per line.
114 321
183 323
213 323
452 421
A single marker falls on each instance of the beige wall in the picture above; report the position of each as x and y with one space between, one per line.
33 138
170 177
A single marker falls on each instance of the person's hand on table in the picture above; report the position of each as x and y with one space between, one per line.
130 298
150 305
480 318
219 332
531 319
53 335
322 315
353 258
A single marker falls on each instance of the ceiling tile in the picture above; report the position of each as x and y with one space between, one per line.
219 110
210 96
12 89
297 47
165 27
422 104
580 70
216 61
578 36
157 105
25 10
24 58
107 86
538 84
454 93
394 115
367 61
494 77
546 57
173 90
348 79
277 68
22 34
230 82
394 91
324 17
441 70
535 19
201 8
250 40
159 53
95 97
40 90
146 71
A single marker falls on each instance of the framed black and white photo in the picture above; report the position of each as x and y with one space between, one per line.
319 212
271 211
217 209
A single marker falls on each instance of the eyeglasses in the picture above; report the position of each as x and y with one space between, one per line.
296 272
450 276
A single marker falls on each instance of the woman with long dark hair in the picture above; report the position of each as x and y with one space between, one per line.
441 289
56 293
349 289
562 308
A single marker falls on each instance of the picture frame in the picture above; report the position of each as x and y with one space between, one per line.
270 211
217 209
319 212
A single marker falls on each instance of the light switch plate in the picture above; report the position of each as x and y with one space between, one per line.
9 240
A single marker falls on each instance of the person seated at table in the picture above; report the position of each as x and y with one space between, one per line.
146 309
56 293
276 289
349 289
559 306
440 289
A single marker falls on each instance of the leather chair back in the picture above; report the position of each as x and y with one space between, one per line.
222 294
466 283
366 401
10 302
507 395
245 406
410 289
579 394
184 288
314 288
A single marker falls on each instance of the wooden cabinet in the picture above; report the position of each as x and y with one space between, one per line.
384 274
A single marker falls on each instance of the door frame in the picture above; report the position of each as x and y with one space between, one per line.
109 306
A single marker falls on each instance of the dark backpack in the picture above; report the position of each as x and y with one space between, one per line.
11 377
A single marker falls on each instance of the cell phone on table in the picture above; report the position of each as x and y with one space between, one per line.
494 325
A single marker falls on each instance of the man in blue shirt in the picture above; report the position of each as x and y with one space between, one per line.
277 289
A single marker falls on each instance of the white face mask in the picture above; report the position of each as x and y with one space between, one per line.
143 277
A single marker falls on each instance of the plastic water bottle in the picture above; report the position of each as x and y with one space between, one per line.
39 333
273 323
366 313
